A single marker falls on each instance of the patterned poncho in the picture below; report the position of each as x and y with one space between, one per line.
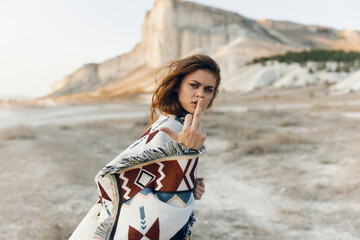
146 191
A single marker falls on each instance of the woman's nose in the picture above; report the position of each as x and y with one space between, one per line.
200 93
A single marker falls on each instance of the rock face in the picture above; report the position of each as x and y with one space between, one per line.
81 78
282 75
349 84
94 76
175 28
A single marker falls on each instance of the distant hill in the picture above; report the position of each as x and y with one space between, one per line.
174 29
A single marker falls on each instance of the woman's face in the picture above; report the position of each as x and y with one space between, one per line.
196 85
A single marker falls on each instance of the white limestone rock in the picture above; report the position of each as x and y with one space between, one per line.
349 84
279 75
175 28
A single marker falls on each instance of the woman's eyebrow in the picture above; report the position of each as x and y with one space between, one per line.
201 84
196 82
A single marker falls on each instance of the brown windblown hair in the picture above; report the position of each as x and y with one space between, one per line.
165 99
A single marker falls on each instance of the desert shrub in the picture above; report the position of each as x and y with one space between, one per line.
64 127
259 148
289 123
316 55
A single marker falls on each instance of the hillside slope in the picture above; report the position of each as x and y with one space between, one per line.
175 28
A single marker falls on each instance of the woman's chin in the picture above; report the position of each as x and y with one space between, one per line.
191 111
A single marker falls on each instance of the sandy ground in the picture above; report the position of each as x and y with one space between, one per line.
281 165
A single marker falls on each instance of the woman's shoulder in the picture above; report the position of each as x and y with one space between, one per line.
152 138
173 122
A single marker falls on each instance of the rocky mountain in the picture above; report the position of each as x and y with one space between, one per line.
175 28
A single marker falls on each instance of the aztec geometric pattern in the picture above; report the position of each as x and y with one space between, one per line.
153 233
146 223
167 176
146 191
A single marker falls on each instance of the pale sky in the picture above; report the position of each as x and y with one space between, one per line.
42 41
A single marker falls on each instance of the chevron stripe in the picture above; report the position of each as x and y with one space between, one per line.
162 176
188 172
126 195
142 216
185 172
193 173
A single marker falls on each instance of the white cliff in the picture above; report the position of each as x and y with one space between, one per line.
349 84
282 75
175 28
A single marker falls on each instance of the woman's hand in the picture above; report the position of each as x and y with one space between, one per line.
192 134
199 188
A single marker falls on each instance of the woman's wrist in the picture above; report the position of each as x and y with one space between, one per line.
191 150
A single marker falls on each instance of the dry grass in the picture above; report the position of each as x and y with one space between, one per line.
64 127
347 184
296 219
56 232
281 142
18 132
257 132
289 123
259 148
290 138
253 133
300 174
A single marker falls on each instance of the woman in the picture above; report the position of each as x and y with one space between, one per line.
148 190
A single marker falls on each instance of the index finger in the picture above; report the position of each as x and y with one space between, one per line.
196 118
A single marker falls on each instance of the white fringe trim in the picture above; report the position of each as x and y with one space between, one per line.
170 149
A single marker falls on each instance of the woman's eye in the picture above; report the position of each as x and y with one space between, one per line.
193 85
209 90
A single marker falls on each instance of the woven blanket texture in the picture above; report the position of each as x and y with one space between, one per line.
146 192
